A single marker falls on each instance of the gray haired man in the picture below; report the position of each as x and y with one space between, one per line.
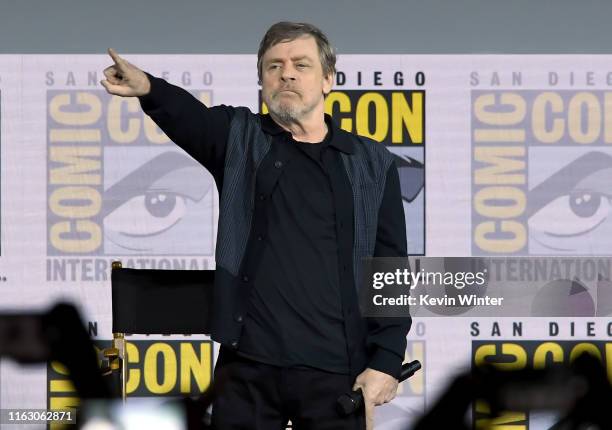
301 203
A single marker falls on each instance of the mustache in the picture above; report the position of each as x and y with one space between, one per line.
292 89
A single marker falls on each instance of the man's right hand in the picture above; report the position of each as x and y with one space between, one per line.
124 79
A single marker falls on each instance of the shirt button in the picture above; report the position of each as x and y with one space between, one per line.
278 164
234 344
260 238
238 318
262 197
245 278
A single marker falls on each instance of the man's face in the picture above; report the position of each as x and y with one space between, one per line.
292 79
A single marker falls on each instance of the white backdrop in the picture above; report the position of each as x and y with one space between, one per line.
513 152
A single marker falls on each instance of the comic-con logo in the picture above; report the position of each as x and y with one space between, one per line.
117 186
155 368
541 172
395 118
529 354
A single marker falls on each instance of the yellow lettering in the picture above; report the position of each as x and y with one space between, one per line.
608 117
89 231
115 110
585 348
61 386
593 118
515 198
77 165
382 116
87 117
133 375
62 403
86 202
168 373
403 115
501 165
511 117
194 366
515 229
543 350
344 106
539 114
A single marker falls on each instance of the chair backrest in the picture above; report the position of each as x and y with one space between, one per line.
148 301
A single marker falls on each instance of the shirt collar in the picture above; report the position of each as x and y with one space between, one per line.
336 137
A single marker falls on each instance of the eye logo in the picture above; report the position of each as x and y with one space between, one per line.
167 197
118 188
411 170
412 177
570 210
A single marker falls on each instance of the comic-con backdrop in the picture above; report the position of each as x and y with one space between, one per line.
497 155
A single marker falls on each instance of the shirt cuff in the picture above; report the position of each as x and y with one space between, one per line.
149 100
386 362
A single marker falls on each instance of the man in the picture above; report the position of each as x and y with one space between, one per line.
301 202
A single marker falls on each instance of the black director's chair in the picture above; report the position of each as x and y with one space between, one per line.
149 301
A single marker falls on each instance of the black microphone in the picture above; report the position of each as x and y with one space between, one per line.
348 403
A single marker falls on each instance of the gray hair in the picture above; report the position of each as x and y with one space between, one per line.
286 31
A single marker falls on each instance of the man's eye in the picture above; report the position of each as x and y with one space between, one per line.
302 65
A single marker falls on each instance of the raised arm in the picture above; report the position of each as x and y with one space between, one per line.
202 132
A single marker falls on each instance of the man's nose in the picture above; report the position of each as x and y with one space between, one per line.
288 74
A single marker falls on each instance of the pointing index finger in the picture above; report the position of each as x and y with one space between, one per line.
116 58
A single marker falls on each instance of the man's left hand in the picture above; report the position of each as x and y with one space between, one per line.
377 388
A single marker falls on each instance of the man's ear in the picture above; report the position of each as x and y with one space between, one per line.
328 82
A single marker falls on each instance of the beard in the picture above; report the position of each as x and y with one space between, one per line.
287 110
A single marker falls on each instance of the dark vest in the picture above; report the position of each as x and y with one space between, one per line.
246 152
